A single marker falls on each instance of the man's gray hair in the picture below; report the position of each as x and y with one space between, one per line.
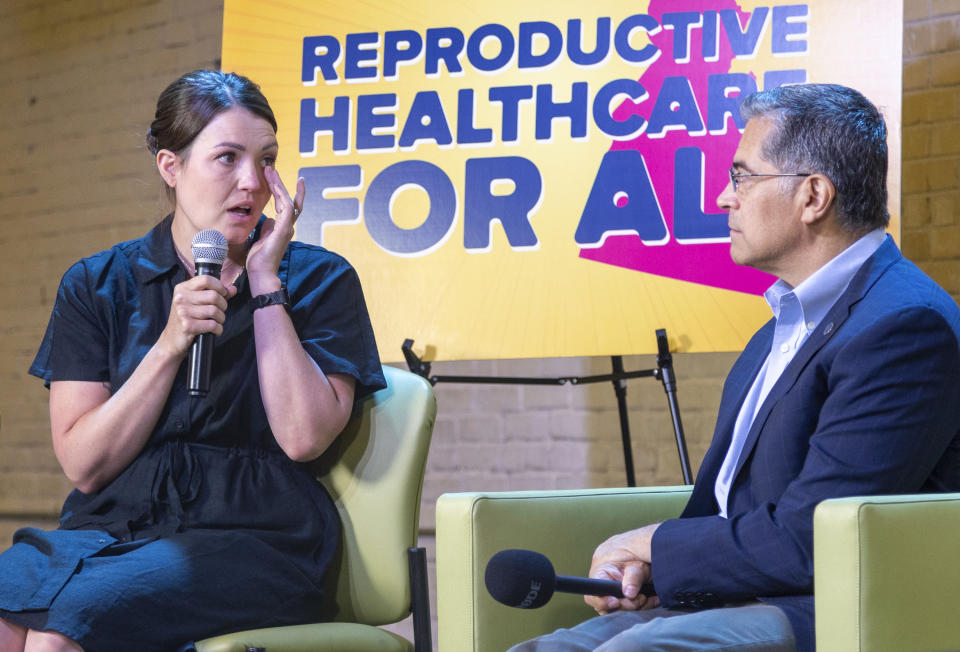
835 131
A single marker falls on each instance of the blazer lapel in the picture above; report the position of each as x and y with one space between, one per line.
741 379
735 389
859 285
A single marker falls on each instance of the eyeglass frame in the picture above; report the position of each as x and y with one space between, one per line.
735 177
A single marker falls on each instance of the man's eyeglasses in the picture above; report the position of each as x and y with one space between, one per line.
736 176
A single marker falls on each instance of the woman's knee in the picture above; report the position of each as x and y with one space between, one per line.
12 637
50 641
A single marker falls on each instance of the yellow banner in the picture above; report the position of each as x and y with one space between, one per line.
514 180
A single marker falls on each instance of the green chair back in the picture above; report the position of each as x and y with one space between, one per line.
374 473
375 479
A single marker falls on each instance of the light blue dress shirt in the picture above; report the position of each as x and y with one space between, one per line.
797 311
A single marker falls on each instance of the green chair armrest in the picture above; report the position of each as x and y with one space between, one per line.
322 637
566 526
886 574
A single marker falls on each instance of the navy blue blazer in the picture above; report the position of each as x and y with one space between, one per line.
867 406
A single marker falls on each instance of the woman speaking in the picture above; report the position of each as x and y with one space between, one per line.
193 515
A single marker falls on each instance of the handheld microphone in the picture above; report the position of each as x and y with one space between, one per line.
526 579
209 248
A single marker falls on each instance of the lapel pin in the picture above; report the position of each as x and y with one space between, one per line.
828 329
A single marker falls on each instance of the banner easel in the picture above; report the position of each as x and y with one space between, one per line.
663 373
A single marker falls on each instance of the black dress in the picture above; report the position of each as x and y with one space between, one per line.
212 528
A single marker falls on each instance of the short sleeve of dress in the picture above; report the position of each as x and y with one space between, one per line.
330 315
75 345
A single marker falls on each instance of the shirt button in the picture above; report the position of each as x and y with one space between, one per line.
178 425
811 325
784 348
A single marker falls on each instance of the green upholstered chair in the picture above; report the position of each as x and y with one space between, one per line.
886 568
887 572
566 526
374 472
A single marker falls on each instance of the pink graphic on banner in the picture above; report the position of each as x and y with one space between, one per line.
702 262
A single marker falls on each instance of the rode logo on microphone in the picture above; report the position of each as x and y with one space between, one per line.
532 595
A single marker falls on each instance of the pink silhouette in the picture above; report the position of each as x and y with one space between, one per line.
702 263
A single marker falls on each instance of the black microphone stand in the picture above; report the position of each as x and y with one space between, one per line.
663 372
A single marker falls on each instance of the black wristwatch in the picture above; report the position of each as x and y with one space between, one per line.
270 299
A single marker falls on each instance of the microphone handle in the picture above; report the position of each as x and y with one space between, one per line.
592 586
201 351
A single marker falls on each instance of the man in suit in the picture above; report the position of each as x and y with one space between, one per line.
851 389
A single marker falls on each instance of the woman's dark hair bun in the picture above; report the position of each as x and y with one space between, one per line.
153 144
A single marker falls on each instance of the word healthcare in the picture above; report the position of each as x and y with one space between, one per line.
369 122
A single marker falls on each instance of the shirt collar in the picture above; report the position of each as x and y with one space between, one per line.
157 254
818 292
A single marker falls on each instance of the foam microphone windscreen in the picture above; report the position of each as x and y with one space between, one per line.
520 578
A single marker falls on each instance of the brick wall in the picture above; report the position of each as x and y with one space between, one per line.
516 437
931 138
80 82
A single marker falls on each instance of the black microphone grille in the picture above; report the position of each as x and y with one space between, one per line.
209 246
520 578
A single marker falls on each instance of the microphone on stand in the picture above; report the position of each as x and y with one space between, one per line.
526 579
209 248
